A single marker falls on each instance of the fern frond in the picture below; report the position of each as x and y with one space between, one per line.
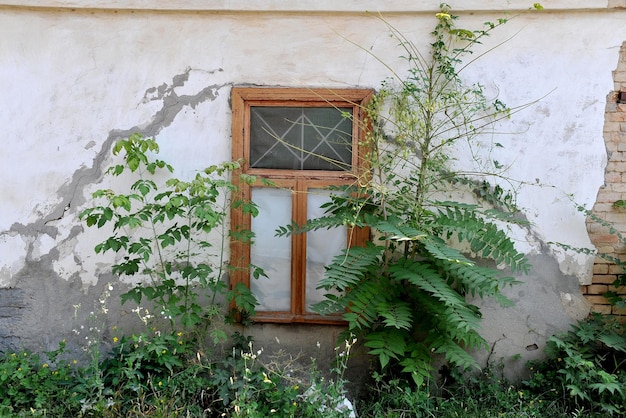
485 238
396 314
395 228
460 321
349 267
481 281
361 304
386 344
452 352
417 361
324 222
427 279
332 304
437 248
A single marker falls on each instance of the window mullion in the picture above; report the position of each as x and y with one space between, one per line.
298 261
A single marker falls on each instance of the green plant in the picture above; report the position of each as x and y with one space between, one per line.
171 233
470 395
327 397
586 367
408 294
29 381
243 387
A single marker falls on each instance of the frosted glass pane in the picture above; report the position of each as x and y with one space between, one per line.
300 138
321 246
271 253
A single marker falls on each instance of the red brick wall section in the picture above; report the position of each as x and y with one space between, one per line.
614 189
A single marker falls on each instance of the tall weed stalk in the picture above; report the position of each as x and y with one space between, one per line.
407 294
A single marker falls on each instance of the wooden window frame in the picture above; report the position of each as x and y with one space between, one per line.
243 98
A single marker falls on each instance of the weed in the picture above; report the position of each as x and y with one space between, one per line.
586 367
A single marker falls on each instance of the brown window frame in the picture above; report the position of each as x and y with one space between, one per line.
243 98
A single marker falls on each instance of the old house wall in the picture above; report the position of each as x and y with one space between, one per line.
77 76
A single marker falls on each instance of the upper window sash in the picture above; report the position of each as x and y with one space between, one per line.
245 100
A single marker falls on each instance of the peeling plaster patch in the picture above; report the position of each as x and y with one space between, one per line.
195 81
575 305
545 302
12 248
42 246
579 265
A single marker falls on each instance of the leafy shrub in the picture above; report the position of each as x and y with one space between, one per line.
586 367
166 229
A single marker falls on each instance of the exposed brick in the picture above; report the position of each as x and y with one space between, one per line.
619 187
600 260
618 156
604 207
597 289
604 238
599 229
604 279
616 217
597 300
618 311
615 136
616 116
601 309
614 189
606 249
610 127
616 166
619 290
613 177
608 196
600 269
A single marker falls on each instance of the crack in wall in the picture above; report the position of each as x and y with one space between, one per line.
71 193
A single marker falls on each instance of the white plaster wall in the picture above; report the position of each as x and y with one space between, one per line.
74 80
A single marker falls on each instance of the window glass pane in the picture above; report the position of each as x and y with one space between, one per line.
271 253
301 138
321 246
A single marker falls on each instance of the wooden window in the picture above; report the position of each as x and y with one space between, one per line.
303 141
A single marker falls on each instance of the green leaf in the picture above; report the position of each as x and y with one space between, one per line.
350 267
396 314
386 344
